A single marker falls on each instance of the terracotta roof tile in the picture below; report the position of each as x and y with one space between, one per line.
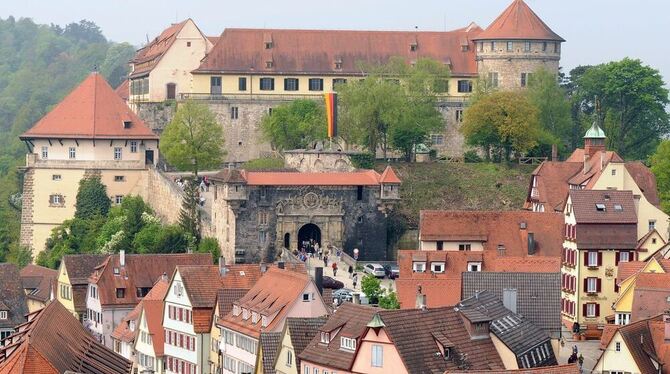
533 264
584 206
626 269
552 183
518 21
645 180
650 301
355 178
269 344
148 56
12 296
637 337
80 267
123 90
202 283
55 336
496 228
559 369
91 111
317 51
302 331
122 331
139 271
608 332
39 281
227 296
412 332
352 319
389 176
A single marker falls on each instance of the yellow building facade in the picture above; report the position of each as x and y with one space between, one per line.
64 291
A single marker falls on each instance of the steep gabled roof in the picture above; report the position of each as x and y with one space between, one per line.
518 21
639 338
80 267
389 176
269 343
552 183
559 369
123 332
38 282
336 52
202 283
91 111
619 206
645 180
148 56
12 296
52 335
302 331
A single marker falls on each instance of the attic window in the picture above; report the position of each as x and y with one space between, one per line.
618 208
413 47
465 48
236 310
264 321
325 337
116 271
245 313
600 207
338 65
348 343
269 64
3 314
269 45
127 124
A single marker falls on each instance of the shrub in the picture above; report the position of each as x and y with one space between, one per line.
471 156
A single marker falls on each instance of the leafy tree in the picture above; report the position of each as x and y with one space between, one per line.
580 111
371 287
389 300
92 199
295 124
553 106
660 166
189 217
633 100
19 255
193 140
210 245
502 122
124 222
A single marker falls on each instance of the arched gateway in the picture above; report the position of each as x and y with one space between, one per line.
308 233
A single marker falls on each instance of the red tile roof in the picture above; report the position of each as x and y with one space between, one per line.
123 90
645 180
122 331
559 369
317 51
389 176
642 345
628 268
584 206
552 186
38 282
272 296
53 335
139 271
518 21
91 111
148 56
650 301
496 228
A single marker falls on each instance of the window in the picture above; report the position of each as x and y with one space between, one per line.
56 200
348 343
245 368
600 207
234 112
652 224
305 297
592 259
269 64
142 291
526 47
624 256
437 267
459 115
229 337
45 153
413 47
325 336
337 81
242 84
263 218
359 193
268 45
618 208
591 285
117 153
377 355
316 84
440 245
493 46
474 266
464 85
419 266
215 85
119 178
338 65
437 139
557 47
510 46
465 48
230 364
291 84
245 343
524 77
72 153
262 236
118 199
306 369
464 247
493 79
120 293
3 314
56 177
133 146
267 84
591 309
617 346
544 46
289 358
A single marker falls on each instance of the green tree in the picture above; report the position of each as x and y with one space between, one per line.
550 99
502 122
295 124
190 217
19 255
210 245
389 300
660 166
193 140
580 111
371 287
633 100
92 198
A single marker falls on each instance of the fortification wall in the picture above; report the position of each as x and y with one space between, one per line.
163 196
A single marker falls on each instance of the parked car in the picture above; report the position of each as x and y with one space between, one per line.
392 271
343 294
330 282
374 269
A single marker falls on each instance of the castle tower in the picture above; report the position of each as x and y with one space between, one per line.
514 46
594 140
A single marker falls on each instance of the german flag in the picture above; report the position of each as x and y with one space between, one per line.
331 113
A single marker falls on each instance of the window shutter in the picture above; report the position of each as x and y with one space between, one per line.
181 314
616 285
584 310
586 284
633 256
597 310
573 284
617 255
600 258
598 284
586 258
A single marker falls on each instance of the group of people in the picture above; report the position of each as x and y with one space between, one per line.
203 185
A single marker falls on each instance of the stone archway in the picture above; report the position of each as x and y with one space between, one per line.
308 233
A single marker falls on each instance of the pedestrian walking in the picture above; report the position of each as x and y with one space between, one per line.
202 186
334 269
355 278
351 271
325 261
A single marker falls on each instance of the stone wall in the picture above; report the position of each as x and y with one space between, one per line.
27 206
453 143
156 115
317 161
163 195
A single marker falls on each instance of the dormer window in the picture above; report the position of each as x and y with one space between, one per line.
348 343
419 266
264 321
116 271
3 314
338 64
465 48
254 317
269 45
325 337
127 124
245 313
474 266
413 47
437 267
131 325
600 207
269 64
618 208
236 310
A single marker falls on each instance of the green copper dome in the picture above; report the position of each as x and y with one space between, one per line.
595 132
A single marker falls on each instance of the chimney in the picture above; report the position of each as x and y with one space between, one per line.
318 278
222 266
531 243
280 265
420 298
356 298
122 258
554 152
264 268
666 323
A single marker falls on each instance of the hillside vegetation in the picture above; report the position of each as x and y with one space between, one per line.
460 186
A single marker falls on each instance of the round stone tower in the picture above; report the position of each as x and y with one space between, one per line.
514 46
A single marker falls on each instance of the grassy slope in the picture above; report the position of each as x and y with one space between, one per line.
459 186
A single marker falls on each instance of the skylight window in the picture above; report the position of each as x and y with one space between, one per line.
618 208
600 207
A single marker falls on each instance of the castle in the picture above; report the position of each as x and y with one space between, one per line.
244 73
